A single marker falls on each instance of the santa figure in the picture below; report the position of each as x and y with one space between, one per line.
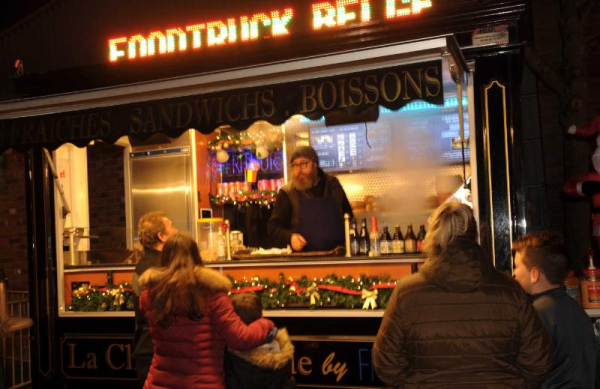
588 184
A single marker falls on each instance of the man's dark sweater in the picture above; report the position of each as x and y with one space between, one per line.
281 224
572 336
143 349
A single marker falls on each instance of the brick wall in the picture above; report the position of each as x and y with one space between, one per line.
564 157
13 220
106 197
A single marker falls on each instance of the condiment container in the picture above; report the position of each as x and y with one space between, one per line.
209 239
590 286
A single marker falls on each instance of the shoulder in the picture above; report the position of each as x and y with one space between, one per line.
149 259
212 280
285 191
506 283
151 277
414 284
262 358
205 277
552 308
331 180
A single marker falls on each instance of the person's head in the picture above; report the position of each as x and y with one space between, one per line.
177 291
541 261
305 167
247 306
450 220
154 228
180 251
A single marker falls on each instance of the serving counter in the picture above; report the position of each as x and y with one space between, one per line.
106 290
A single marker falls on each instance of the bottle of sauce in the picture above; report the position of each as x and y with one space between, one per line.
385 242
398 241
590 285
410 241
354 239
420 237
363 238
374 237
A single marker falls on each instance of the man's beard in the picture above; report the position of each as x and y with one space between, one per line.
303 182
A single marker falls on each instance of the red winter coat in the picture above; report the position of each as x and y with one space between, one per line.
189 354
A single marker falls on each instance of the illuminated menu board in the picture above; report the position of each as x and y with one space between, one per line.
415 136
351 147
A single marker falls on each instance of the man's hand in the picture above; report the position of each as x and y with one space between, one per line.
298 242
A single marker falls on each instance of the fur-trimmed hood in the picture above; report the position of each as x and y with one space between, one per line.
208 278
262 358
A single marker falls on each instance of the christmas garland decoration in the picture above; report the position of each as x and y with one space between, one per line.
329 292
241 141
264 198
102 298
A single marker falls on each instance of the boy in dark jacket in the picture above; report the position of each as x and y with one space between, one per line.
268 366
541 266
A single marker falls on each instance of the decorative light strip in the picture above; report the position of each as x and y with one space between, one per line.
326 15
214 33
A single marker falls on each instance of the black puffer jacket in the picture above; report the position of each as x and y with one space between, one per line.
460 323
260 369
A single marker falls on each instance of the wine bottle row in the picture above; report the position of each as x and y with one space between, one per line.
373 244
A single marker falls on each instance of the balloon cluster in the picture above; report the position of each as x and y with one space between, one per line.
259 139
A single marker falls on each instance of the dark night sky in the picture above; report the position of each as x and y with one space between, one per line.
11 11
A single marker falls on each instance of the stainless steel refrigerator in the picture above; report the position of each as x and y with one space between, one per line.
162 177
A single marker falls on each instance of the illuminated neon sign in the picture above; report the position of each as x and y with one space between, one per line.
326 15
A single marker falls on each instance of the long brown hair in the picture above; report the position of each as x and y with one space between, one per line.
178 292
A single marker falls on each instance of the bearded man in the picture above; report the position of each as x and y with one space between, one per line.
309 211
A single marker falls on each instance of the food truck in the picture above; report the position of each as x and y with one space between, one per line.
122 108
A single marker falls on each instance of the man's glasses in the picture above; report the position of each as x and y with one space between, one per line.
301 165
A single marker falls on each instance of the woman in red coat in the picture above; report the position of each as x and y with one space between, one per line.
191 320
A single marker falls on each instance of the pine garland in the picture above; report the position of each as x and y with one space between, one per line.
329 292
102 298
264 198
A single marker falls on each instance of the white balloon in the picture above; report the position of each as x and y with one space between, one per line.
222 155
262 152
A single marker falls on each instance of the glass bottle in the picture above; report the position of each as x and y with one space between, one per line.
374 237
398 241
410 240
385 242
354 239
421 237
590 285
363 238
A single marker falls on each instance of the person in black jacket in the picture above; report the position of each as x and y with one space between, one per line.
541 267
268 366
154 228
309 212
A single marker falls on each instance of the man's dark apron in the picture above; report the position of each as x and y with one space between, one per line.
321 223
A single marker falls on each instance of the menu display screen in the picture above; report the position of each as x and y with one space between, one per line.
414 137
351 147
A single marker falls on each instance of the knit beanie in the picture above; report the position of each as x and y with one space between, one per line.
306 152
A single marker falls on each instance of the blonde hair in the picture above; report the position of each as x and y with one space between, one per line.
451 220
177 291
